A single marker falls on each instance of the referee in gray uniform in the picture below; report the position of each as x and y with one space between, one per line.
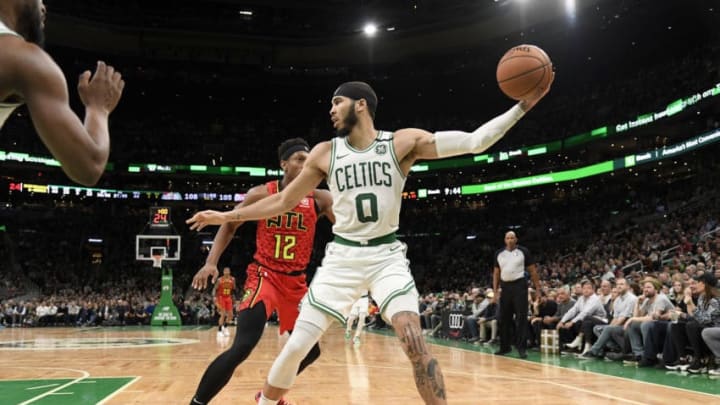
509 274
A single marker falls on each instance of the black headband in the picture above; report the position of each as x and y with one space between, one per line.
295 148
358 90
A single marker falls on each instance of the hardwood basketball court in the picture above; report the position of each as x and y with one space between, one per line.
56 366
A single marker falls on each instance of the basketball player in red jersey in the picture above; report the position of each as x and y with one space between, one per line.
276 277
224 300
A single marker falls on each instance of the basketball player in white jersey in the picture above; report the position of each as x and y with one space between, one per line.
358 311
29 75
365 170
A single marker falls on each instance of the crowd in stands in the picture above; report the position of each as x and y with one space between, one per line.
109 304
202 115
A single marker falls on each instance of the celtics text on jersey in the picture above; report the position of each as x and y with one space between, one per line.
366 186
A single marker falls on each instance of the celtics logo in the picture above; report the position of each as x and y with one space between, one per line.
381 149
248 292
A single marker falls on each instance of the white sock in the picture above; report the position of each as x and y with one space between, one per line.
265 401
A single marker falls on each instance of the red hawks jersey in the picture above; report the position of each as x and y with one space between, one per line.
284 243
225 286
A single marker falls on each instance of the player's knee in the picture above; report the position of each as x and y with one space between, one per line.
403 319
243 348
243 345
295 349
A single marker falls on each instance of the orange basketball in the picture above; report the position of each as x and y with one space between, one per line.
523 70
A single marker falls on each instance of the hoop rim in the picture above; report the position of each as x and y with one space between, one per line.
157 260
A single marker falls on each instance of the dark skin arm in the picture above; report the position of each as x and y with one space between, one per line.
222 239
31 75
227 230
325 203
496 279
532 269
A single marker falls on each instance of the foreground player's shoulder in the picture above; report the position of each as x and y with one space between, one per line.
414 144
28 64
319 158
412 133
321 149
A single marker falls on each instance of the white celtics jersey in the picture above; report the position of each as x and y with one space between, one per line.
6 108
366 187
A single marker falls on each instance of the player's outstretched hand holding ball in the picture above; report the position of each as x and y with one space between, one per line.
525 73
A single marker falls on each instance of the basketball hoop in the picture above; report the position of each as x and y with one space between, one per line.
157 260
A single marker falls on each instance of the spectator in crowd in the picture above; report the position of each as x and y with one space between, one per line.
613 334
587 312
706 314
543 307
471 321
489 320
646 329
564 305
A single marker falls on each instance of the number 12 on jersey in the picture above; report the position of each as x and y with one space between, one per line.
284 245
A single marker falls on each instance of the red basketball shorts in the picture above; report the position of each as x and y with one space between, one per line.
278 291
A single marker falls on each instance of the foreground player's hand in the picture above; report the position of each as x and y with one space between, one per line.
102 90
200 280
533 99
205 218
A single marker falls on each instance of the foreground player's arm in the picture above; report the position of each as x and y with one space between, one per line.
81 149
222 239
420 144
312 174
325 202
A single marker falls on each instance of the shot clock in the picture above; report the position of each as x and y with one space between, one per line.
159 217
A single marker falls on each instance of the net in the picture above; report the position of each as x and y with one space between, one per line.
157 260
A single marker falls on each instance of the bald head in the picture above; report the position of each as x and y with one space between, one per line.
26 17
510 240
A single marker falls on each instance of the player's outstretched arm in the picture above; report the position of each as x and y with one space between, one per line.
82 150
311 175
221 241
444 144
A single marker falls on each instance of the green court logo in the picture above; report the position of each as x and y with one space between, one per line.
92 343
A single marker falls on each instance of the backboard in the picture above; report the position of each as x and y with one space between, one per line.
167 245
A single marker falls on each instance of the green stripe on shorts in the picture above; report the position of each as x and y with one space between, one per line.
315 303
409 286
